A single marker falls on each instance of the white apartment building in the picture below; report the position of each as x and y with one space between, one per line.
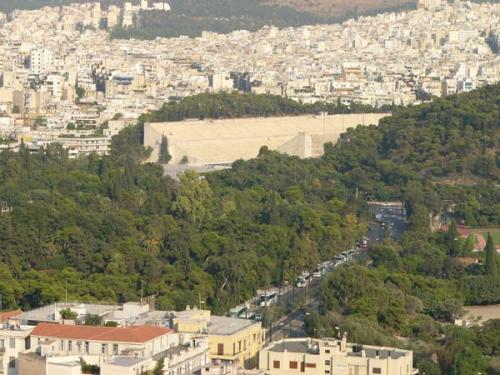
41 61
14 338
78 146
53 85
333 357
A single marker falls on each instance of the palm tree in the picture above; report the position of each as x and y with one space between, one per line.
151 245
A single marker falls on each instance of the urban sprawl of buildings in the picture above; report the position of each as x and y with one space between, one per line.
136 337
63 77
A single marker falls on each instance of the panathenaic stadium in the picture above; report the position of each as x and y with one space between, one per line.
212 142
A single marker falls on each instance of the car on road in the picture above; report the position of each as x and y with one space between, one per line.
300 282
258 317
267 299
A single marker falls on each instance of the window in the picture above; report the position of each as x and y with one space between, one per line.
61 345
327 363
12 362
220 349
293 365
327 371
2 344
115 349
70 345
104 348
79 344
376 370
276 364
12 343
310 365
87 347
327 351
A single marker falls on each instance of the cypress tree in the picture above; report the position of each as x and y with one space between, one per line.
453 241
490 264
165 156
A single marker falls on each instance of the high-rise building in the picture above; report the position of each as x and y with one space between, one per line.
41 61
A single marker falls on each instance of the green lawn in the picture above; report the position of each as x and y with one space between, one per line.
495 235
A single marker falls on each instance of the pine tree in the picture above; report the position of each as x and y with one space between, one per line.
490 264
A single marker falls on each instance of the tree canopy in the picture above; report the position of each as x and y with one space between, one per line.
113 228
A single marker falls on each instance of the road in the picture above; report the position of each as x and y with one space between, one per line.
293 302
291 325
384 218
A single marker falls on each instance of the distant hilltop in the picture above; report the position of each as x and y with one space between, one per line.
342 7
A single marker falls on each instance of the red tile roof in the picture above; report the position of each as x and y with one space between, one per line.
6 315
134 334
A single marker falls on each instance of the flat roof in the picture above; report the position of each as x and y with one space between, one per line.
47 313
126 361
290 346
221 325
301 346
70 363
383 353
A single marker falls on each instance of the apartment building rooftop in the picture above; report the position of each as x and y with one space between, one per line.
6 315
126 361
314 346
221 325
134 334
51 313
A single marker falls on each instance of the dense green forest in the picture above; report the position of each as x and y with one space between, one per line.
407 294
112 228
438 156
446 153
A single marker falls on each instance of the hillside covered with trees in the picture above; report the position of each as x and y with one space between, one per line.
445 153
111 228
435 157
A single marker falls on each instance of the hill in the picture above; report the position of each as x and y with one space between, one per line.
338 8
436 147
112 228
192 17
